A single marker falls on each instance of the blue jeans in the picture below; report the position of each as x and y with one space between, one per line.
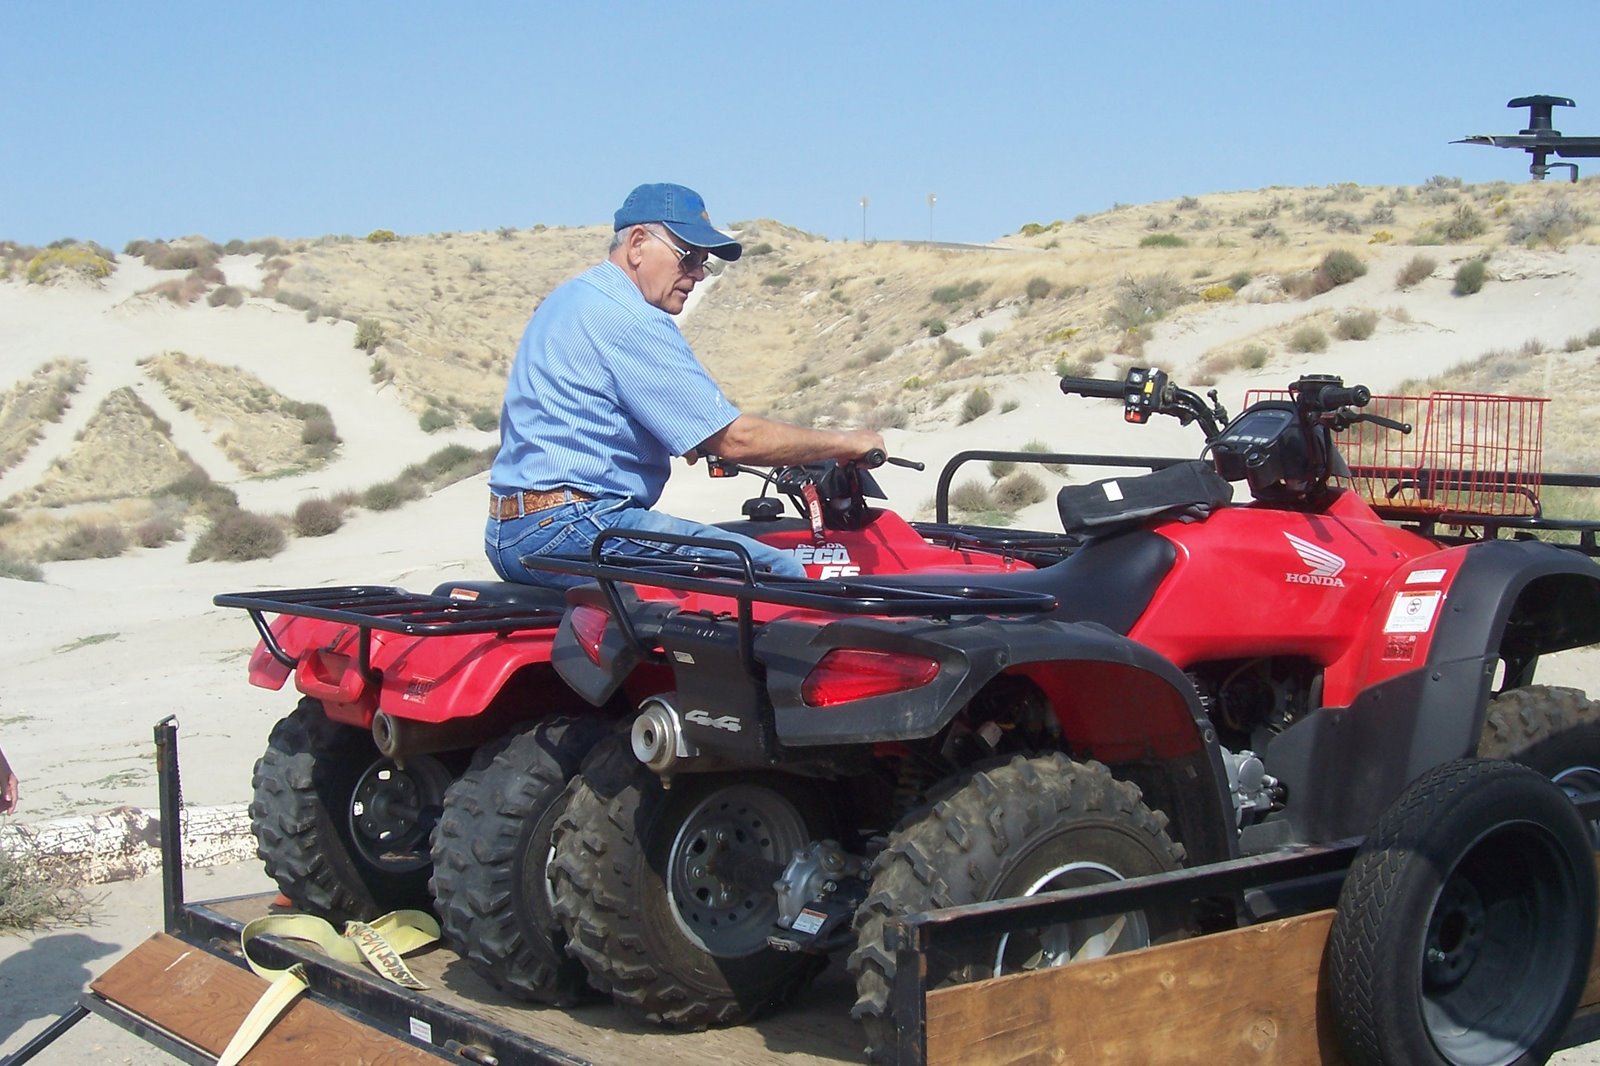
570 529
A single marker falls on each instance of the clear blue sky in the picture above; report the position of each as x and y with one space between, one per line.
123 120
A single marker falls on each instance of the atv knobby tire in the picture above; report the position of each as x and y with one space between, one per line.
491 854
341 829
1554 730
1032 825
639 889
1465 925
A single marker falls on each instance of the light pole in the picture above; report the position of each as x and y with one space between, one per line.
931 199
863 220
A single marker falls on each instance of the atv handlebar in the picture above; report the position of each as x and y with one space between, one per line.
1106 390
877 457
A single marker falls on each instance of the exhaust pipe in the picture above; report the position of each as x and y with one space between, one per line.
398 738
657 736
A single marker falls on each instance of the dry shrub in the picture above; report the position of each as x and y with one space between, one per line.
972 496
239 536
157 530
90 540
32 898
225 296
1018 490
1420 268
1308 338
885 416
977 403
317 517
1356 325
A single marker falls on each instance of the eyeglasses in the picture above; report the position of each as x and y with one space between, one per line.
688 262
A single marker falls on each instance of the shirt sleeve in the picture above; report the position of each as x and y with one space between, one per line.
666 390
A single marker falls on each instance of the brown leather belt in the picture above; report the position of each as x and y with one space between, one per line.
530 502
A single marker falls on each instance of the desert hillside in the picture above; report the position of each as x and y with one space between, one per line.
183 418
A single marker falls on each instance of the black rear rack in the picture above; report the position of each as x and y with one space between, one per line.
386 608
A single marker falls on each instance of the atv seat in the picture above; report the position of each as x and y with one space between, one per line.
510 593
1109 580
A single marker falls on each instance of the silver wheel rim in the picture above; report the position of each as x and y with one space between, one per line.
1089 938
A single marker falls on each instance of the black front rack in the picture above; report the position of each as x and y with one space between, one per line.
388 609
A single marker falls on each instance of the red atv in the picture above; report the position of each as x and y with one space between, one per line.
434 741
1200 680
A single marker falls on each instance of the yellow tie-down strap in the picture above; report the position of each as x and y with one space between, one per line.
382 943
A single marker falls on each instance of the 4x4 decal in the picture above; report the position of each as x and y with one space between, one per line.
1322 565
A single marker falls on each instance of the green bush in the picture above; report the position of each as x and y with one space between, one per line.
776 281
1308 338
1463 225
1239 280
1059 469
388 495
369 335
977 403
999 468
19 569
225 296
381 236
986 338
954 294
1593 339
1037 288
1416 270
78 261
198 490
1216 293
757 250
318 431
1341 267
935 326
1162 240
317 517
434 419
1470 277
1356 325
237 537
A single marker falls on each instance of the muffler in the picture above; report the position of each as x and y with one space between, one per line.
657 736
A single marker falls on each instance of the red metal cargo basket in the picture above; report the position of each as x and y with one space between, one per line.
1468 453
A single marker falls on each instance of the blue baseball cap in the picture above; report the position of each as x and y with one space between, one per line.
681 210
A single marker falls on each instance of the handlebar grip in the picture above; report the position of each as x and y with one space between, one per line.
1333 396
1110 390
874 458
910 464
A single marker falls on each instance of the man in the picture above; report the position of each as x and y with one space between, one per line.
8 786
604 391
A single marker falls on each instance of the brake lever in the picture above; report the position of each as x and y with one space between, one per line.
1350 414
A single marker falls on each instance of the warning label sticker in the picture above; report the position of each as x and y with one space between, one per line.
1413 612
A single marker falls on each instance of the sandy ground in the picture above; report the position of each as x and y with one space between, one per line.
101 650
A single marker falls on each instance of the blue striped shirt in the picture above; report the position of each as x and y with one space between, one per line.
603 393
